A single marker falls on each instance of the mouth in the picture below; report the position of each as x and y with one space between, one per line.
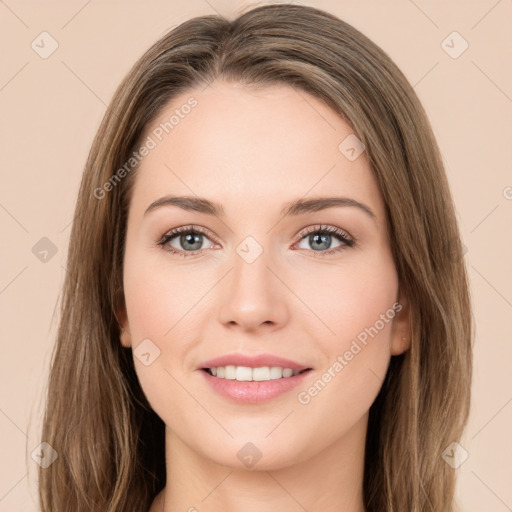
248 385
253 374
253 378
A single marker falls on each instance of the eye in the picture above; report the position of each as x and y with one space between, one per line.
188 238
320 238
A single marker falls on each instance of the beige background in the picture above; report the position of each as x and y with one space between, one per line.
52 107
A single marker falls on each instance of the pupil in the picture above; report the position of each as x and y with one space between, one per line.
192 238
323 238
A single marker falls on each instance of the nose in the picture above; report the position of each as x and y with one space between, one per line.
253 297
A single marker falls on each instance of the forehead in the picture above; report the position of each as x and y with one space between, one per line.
242 145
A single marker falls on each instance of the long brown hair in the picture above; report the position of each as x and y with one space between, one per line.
110 444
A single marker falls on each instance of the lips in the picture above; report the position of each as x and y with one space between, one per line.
254 391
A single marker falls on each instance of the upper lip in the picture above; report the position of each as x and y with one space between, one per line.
253 361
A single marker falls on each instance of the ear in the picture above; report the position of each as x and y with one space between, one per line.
401 332
125 335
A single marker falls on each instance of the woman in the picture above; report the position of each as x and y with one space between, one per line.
311 348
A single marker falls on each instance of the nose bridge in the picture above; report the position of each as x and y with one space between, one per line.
251 272
253 296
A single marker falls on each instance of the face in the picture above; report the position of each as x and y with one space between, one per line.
317 286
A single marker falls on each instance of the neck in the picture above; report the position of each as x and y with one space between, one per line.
331 480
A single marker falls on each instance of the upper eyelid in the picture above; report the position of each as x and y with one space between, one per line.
187 228
333 230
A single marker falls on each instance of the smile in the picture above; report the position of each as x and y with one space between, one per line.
246 373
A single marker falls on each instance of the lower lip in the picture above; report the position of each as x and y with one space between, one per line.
253 392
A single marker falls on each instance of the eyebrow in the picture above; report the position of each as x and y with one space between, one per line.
293 208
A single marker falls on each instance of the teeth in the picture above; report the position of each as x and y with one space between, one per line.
262 373
246 373
230 372
243 373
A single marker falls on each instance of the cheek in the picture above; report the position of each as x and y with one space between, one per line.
349 297
163 303
356 309
158 295
157 302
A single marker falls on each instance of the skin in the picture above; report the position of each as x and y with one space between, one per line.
245 148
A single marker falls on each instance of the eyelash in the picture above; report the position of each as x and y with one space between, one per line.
329 230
